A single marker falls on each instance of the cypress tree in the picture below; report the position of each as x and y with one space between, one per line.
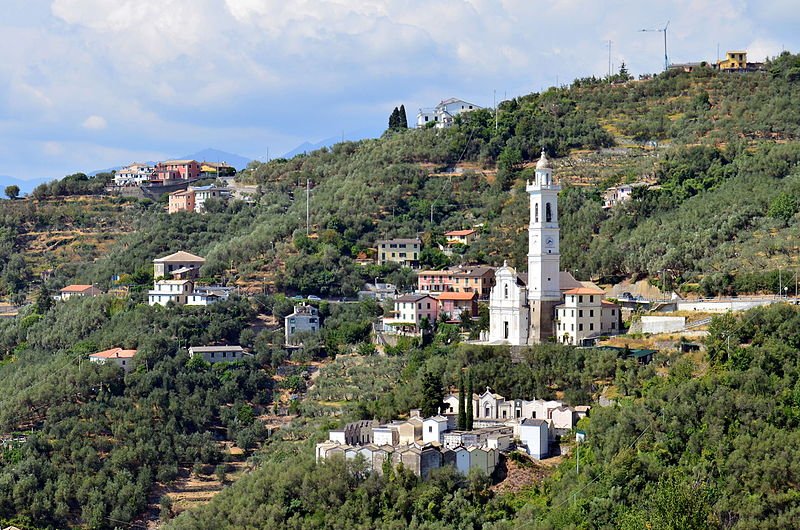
403 121
394 119
470 413
462 404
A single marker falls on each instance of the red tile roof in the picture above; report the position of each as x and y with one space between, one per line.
114 353
77 288
467 232
584 290
457 296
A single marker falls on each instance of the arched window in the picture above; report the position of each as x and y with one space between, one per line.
536 213
505 291
548 214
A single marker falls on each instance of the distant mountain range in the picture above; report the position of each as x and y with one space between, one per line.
307 147
215 155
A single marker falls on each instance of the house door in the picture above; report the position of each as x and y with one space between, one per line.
488 412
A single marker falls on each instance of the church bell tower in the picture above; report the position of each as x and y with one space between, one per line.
544 292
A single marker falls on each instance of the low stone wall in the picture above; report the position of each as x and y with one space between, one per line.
659 324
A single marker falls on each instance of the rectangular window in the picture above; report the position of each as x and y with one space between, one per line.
580 327
580 313
591 312
591 326
591 299
580 299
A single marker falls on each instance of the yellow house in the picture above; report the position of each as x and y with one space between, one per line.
733 61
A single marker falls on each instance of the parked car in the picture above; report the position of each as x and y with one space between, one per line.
314 298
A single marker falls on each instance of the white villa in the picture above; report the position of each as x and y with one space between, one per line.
585 315
203 193
133 175
118 356
618 194
304 318
443 113
166 291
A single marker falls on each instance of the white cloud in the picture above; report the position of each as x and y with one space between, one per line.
167 73
94 123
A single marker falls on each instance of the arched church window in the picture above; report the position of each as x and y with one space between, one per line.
548 214
536 213
505 291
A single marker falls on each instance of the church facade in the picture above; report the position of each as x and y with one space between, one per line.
523 308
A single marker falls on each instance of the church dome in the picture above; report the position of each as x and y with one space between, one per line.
543 162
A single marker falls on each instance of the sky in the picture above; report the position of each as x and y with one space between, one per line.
90 84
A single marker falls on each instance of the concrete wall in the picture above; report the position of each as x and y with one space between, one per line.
658 324
723 306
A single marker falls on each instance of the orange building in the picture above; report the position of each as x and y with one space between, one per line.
181 201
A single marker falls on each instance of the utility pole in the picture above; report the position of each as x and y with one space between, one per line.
308 206
664 31
609 59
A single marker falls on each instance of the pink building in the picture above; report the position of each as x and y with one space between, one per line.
176 170
456 303
435 281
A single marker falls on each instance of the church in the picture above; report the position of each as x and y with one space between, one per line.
546 304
